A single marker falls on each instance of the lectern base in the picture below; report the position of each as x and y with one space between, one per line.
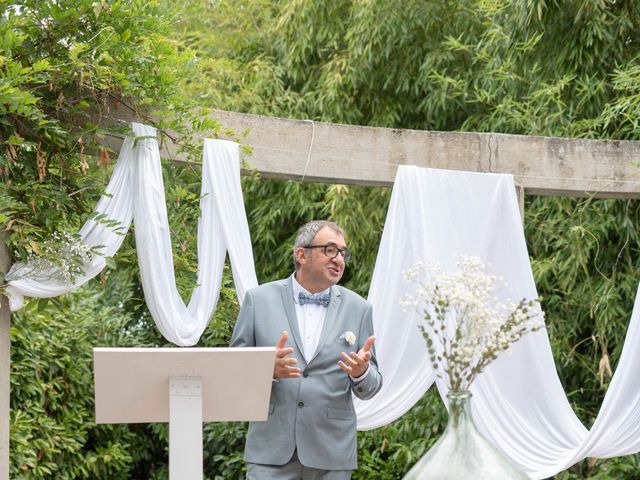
185 428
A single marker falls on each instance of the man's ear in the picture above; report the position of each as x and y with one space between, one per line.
301 255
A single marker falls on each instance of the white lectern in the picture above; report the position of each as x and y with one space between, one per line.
184 386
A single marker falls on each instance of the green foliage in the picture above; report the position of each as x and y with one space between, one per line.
531 67
52 429
588 277
64 67
277 209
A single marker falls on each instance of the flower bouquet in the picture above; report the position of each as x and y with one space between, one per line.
466 328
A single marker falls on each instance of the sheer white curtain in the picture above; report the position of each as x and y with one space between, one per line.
136 190
519 403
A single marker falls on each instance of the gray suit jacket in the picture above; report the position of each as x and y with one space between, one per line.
314 413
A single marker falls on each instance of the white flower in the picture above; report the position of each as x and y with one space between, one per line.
467 325
62 258
349 337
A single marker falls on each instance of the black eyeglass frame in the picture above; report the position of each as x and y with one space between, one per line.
346 254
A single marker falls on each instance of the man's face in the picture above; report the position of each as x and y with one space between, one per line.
317 271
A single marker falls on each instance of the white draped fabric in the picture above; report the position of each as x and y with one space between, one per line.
519 403
434 215
136 190
117 206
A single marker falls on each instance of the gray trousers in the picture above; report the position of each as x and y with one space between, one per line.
293 470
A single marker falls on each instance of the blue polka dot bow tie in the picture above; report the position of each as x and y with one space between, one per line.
319 299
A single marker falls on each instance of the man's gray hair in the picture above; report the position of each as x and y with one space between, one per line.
308 232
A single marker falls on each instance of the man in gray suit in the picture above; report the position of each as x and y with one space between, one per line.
311 429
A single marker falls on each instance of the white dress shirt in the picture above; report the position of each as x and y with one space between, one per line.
310 322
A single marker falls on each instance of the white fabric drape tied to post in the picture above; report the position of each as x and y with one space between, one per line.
519 403
136 191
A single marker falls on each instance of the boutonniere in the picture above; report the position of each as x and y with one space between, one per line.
349 337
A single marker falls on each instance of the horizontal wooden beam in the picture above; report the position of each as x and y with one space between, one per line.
333 153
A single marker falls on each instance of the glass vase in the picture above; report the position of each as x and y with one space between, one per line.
461 453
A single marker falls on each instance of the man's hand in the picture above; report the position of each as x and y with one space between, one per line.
282 367
355 364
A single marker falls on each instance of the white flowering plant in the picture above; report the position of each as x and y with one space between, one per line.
467 326
61 257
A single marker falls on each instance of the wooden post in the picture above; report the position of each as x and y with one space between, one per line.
5 358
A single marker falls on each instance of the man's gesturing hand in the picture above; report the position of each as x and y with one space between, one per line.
355 364
282 367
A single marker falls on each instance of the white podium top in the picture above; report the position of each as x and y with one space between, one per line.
132 384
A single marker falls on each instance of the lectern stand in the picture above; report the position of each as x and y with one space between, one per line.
182 386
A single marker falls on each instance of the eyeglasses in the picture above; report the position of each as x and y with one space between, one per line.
332 251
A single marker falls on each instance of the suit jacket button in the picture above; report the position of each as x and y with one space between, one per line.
305 374
359 389
301 404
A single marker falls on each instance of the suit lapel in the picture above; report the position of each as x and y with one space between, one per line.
287 301
330 319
